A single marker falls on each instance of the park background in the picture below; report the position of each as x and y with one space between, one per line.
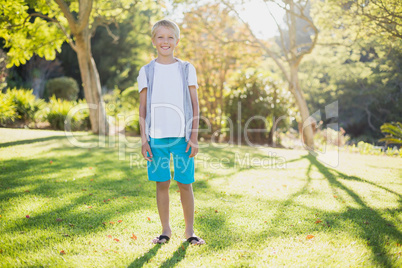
61 204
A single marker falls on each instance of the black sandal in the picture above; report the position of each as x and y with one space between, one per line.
163 237
191 239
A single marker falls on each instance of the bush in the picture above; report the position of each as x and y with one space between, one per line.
123 105
58 110
7 109
65 88
25 103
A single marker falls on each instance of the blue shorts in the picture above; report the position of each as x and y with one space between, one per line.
159 167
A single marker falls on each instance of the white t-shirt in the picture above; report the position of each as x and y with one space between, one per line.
167 116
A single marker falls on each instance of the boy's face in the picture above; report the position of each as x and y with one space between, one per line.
165 41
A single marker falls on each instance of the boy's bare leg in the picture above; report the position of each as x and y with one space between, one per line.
162 200
187 202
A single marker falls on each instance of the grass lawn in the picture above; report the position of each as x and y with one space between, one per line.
94 207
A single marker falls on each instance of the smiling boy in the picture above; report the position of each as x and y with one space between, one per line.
169 125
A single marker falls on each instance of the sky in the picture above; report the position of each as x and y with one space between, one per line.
255 13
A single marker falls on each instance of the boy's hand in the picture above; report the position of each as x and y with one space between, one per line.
193 143
145 148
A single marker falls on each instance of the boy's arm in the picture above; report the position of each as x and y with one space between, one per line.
143 112
194 133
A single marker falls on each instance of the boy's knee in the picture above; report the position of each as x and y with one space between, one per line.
162 185
185 187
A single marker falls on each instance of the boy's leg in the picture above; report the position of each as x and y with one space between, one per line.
162 200
187 202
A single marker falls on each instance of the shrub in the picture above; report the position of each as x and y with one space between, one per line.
58 110
393 131
123 106
25 103
7 109
65 88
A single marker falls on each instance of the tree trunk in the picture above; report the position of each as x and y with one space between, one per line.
306 133
307 130
91 83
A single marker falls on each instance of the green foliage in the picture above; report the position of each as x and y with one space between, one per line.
65 88
7 109
394 131
122 106
57 111
261 95
25 103
330 136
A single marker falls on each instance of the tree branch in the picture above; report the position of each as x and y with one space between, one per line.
263 46
72 22
84 13
70 41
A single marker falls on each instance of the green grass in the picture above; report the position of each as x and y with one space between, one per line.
248 215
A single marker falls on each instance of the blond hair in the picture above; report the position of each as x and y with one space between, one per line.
166 23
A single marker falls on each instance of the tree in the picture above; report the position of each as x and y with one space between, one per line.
291 52
40 27
214 41
353 20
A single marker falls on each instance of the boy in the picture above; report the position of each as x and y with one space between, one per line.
169 124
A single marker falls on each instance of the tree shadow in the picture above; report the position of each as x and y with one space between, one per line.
145 258
376 237
22 142
177 256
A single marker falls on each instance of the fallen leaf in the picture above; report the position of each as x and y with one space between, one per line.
66 235
285 185
62 252
27 216
92 179
84 190
178 191
104 223
59 220
108 200
90 194
119 221
112 222
134 237
182 247
216 211
117 240
148 218
109 236
72 225
27 191
51 162
90 167
90 207
335 196
318 221
310 236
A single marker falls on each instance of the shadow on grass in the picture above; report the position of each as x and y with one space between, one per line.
21 142
367 222
177 256
376 235
141 261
